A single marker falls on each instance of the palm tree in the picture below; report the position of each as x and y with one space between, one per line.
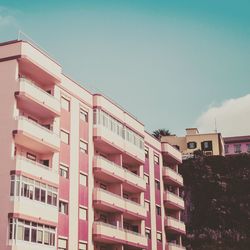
161 132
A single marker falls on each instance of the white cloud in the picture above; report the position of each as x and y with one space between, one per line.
6 17
232 117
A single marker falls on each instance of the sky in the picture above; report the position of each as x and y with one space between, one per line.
173 64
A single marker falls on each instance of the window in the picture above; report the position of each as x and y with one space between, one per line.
51 196
64 171
31 231
63 207
83 115
65 103
158 210
108 122
146 178
34 190
31 156
157 185
191 145
12 185
237 148
82 213
226 148
146 153
147 205
248 148
64 137
159 236
82 246
148 233
83 179
156 159
83 147
62 244
207 146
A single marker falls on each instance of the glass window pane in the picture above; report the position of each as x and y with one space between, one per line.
33 235
65 104
20 232
39 236
26 234
83 179
43 195
64 137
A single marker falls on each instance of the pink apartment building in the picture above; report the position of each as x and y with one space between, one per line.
237 145
77 171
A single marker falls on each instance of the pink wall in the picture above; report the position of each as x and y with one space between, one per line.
83 195
231 149
158 222
83 162
147 193
63 225
84 131
148 220
146 166
65 119
159 246
83 230
157 171
8 73
157 197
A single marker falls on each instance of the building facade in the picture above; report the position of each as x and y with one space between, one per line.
237 145
208 144
78 171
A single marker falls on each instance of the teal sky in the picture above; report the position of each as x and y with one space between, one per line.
166 62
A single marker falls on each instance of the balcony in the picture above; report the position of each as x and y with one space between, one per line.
107 233
33 61
172 246
171 177
30 134
34 100
171 154
111 202
112 136
112 172
36 209
36 169
108 142
173 201
20 245
175 226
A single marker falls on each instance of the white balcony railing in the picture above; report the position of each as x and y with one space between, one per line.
120 202
37 169
37 93
173 175
120 234
24 118
34 163
119 171
38 134
174 199
173 246
175 224
172 152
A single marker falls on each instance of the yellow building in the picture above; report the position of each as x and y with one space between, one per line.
209 144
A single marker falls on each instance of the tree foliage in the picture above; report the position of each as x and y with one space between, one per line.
217 200
161 132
